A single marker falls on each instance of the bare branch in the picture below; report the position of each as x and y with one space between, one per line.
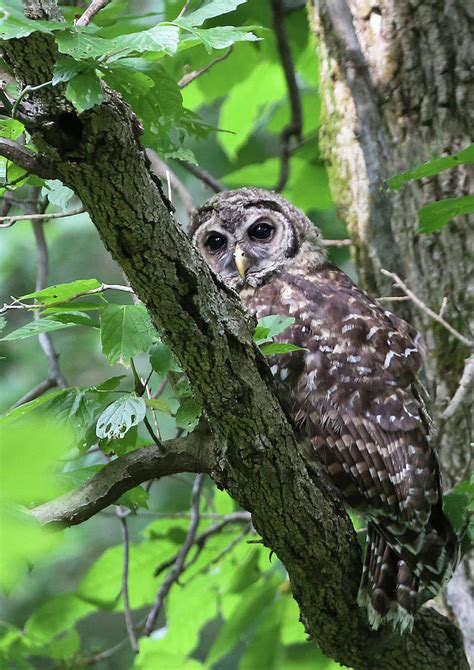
191 76
26 159
200 540
45 339
419 303
295 127
204 176
11 220
465 384
122 516
93 9
178 567
335 243
191 454
162 170
36 392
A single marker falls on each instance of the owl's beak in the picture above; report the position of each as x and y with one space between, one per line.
240 260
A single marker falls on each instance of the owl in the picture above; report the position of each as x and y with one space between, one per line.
352 392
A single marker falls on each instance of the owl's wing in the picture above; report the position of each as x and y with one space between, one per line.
353 394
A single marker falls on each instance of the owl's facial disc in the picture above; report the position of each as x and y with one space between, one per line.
243 251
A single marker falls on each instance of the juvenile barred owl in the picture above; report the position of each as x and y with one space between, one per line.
353 394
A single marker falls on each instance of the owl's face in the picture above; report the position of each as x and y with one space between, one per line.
248 234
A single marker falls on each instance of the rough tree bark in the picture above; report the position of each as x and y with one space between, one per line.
398 90
255 457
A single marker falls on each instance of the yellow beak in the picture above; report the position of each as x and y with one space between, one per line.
240 261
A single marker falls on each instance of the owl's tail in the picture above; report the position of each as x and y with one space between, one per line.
403 570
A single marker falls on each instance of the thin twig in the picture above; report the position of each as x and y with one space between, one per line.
36 392
178 566
189 77
465 383
93 9
28 89
393 298
183 9
295 126
335 243
419 303
204 176
200 540
122 516
38 217
227 550
44 339
161 169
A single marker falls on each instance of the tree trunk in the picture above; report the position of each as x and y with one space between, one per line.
397 91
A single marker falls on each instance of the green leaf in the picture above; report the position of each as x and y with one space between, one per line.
158 405
101 584
210 10
29 454
109 384
459 503
135 498
275 324
82 45
433 167
264 86
73 408
66 69
35 328
187 416
126 330
222 37
246 574
57 193
27 407
56 616
264 649
120 416
436 215
14 24
152 655
63 292
243 617
76 318
85 90
161 359
279 348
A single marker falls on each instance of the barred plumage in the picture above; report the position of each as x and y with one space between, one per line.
353 393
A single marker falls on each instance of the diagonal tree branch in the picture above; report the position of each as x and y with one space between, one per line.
26 159
192 454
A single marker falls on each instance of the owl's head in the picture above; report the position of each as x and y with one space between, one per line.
248 234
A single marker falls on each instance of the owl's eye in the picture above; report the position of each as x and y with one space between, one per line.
215 241
261 231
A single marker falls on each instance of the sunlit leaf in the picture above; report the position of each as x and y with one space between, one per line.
35 328
57 615
433 167
84 90
120 416
126 330
436 215
62 292
251 606
210 10
57 193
